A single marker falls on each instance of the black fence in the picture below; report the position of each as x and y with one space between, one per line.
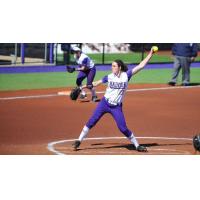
60 53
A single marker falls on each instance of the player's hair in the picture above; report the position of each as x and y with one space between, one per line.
121 64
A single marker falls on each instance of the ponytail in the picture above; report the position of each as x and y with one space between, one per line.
121 64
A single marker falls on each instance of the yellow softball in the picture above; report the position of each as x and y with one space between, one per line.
154 48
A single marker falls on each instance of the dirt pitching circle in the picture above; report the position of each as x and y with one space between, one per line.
121 146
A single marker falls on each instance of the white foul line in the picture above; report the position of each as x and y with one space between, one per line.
29 97
99 92
51 148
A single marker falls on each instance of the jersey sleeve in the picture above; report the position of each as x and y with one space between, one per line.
129 74
105 79
85 61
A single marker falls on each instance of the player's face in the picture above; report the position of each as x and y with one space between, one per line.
115 68
77 54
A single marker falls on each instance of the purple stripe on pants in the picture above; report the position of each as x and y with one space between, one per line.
90 74
117 113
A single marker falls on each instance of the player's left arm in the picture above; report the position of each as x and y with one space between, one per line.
143 63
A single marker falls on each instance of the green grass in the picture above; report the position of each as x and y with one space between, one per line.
134 57
11 82
128 58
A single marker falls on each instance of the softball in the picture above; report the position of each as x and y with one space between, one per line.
155 49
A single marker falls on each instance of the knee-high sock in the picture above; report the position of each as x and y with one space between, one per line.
83 92
133 140
93 92
83 133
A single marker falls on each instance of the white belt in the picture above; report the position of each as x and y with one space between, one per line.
111 102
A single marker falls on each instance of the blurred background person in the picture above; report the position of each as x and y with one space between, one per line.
66 47
184 55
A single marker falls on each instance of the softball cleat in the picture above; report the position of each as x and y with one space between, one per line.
141 148
76 145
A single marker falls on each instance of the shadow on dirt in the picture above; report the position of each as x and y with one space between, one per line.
129 146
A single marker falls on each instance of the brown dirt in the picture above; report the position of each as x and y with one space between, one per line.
28 125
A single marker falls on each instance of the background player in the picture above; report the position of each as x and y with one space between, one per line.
86 69
112 100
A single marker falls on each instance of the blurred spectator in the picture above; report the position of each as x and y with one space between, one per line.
184 54
65 47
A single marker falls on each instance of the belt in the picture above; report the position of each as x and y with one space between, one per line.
111 104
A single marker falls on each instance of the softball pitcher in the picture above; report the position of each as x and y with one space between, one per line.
117 83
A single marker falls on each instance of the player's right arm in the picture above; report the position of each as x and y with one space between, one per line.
96 83
84 65
82 68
